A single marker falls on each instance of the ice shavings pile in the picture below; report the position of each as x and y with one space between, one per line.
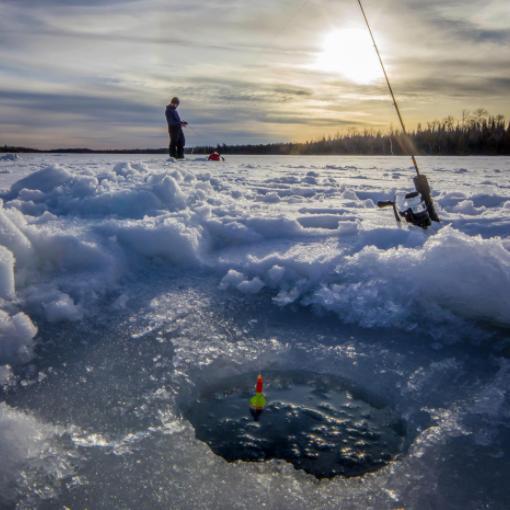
71 232
452 275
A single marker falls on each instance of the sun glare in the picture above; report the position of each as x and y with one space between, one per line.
349 52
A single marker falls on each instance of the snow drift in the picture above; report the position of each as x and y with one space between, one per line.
71 233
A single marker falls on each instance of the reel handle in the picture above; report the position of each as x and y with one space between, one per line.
385 203
390 203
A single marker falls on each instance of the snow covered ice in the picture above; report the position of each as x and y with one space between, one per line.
130 284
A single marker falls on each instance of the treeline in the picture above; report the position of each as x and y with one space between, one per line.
477 133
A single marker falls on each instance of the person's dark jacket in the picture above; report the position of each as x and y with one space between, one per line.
172 116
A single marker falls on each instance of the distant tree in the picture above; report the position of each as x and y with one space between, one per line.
476 133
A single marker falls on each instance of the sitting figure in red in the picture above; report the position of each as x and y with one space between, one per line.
215 156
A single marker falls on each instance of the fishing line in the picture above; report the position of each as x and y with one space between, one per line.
420 181
395 103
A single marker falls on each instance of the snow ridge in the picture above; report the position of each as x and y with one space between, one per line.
70 232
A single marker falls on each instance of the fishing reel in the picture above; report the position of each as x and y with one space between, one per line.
417 207
411 207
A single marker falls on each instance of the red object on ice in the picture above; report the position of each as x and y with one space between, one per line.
214 156
260 384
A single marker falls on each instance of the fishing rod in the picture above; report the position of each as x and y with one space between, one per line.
420 181
395 103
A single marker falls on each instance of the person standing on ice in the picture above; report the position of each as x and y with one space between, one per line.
175 125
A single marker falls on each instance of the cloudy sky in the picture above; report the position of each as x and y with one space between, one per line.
98 73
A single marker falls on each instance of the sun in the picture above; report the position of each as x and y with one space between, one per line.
349 52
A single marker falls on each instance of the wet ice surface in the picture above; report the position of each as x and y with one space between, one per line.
319 423
271 264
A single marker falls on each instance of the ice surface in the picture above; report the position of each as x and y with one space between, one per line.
147 278
32 464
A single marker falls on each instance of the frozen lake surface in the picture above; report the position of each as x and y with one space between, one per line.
131 285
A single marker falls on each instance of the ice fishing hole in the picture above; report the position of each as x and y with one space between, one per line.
320 423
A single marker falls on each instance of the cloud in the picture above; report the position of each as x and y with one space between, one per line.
459 86
230 90
86 106
461 20
468 31
314 121
68 3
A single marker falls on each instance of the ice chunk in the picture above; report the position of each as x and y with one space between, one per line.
232 279
16 337
121 203
13 238
251 286
62 308
6 375
468 207
275 274
6 274
169 192
271 198
45 180
169 239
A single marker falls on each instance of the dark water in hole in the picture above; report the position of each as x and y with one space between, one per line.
318 422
